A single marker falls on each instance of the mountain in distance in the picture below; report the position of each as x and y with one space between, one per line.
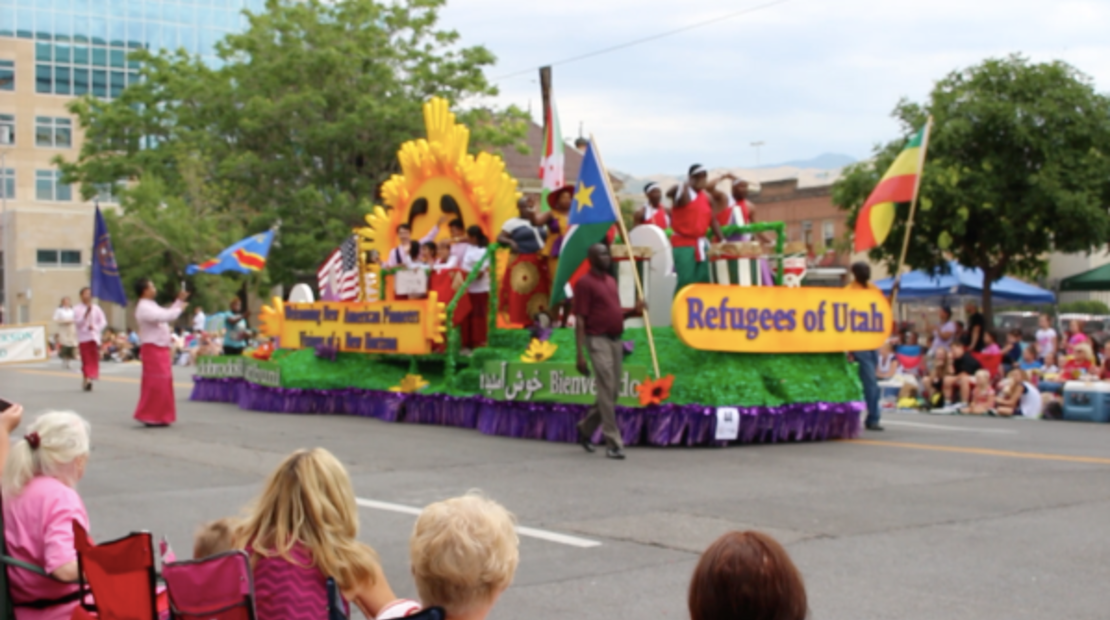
824 161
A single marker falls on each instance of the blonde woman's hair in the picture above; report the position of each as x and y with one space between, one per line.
464 551
1085 348
215 537
60 438
309 499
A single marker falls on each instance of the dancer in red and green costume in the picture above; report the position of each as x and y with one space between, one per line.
691 218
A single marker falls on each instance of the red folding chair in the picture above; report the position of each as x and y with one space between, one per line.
991 362
220 587
120 575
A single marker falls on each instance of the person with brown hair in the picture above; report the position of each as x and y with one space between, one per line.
746 576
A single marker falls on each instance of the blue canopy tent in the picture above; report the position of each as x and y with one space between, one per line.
964 281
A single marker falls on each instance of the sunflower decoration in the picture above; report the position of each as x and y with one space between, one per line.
270 318
410 384
539 351
655 392
439 178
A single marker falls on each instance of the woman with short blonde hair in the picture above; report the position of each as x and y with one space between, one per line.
40 505
464 553
304 529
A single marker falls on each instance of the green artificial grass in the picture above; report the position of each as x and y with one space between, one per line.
703 377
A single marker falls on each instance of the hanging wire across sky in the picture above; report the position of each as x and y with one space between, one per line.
653 37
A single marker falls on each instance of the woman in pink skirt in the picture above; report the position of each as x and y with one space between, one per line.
156 405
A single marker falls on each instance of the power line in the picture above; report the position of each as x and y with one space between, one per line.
653 37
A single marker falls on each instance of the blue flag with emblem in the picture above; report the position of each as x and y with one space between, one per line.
106 284
592 213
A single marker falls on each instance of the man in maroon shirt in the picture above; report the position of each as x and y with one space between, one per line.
600 323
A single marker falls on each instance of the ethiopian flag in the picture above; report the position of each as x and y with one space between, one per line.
592 213
899 184
553 161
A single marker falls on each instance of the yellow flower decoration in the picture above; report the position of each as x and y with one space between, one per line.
410 384
539 351
435 167
271 318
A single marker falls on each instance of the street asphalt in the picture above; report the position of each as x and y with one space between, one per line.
939 517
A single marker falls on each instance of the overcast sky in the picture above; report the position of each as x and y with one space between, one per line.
806 77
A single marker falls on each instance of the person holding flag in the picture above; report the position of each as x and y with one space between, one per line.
156 401
107 286
691 218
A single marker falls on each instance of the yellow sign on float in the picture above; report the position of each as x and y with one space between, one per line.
764 319
407 327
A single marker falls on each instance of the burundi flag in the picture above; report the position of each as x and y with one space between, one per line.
591 214
552 163
244 257
899 184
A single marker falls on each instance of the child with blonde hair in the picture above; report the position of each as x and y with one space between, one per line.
982 396
215 537
464 553
302 530
40 505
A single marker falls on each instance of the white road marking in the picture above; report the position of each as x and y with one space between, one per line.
955 429
531 532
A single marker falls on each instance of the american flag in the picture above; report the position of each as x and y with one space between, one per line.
337 277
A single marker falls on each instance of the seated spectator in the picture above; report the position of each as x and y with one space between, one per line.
215 537
1075 336
1030 360
304 529
1051 365
1082 363
964 367
982 398
1012 350
934 382
990 344
1019 397
746 576
887 366
1104 365
464 553
40 505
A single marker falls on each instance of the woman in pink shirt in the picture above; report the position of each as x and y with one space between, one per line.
90 323
40 505
156 405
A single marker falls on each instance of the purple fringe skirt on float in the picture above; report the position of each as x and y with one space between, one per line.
659 425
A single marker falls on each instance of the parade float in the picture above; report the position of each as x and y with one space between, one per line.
740 361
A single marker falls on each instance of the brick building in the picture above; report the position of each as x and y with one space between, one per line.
810 218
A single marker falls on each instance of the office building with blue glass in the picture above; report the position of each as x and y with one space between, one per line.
50 52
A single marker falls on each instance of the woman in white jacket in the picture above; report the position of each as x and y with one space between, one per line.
67 332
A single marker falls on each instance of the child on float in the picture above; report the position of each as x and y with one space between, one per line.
445 257
475 328
982 397
407 252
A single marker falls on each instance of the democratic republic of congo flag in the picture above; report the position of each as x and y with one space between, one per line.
591 215
244 257
897 185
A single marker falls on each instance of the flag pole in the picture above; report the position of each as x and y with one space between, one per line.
913 210
631 256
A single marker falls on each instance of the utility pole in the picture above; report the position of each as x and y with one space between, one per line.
757 145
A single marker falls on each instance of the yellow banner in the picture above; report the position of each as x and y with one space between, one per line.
766 319
407 327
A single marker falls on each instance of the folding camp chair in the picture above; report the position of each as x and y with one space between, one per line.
7 607
991 362
220 587
120 575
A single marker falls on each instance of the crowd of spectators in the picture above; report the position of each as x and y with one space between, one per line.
976 370
303 528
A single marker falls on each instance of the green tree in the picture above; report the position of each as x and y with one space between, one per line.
298 127
1018 167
